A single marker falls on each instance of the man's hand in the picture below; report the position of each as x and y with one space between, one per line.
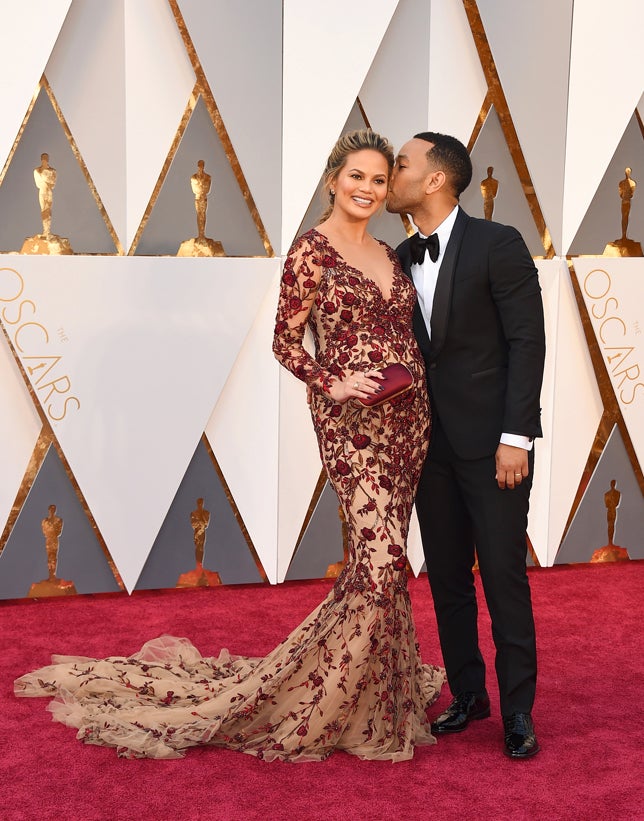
511 466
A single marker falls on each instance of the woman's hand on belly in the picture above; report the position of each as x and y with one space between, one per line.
355 385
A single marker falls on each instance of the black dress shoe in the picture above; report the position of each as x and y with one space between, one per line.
520 740
466 707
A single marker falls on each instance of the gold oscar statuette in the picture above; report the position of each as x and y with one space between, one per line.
46 243
624 247
201 245
199 577
52 528
489 190
611 552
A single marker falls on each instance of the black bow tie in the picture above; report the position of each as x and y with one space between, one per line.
417 245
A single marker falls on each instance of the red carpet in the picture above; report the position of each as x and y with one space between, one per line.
588 716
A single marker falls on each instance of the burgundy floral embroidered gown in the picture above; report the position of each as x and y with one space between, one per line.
350 676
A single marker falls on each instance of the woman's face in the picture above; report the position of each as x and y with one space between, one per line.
361 184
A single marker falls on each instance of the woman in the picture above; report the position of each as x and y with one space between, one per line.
350 676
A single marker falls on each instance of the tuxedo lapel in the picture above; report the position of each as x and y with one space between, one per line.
420 329
404 255
443 292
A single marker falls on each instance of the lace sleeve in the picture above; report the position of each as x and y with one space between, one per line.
298 289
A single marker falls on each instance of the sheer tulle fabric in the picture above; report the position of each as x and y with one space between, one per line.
350 676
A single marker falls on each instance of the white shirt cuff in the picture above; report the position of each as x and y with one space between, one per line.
517 441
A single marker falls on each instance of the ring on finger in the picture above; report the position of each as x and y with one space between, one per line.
356 385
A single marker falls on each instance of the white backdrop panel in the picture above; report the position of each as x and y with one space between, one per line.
233 38
577 411
391 94
19 421
299 466
550 274
572 409
606 83
86 72
530 44
415 545
27 35
327 53
243 431
457 85
613 291
127 359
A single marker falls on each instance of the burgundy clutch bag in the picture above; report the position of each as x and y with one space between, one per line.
395 379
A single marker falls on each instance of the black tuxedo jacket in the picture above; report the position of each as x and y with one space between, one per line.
485 359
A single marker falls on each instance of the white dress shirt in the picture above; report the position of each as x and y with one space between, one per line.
425 277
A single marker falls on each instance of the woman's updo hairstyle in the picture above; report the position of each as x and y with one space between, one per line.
363 138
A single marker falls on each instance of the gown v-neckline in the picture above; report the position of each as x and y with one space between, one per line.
348 266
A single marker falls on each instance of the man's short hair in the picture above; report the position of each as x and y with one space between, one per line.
450 155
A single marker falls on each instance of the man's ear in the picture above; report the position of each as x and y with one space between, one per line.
435 181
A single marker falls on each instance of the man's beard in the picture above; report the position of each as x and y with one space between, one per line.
392 207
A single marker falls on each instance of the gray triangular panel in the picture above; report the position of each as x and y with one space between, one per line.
588 531
173 218
226 551
75 214
321 543
80 557
510 204
603 221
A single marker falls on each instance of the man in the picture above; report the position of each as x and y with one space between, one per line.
479 324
